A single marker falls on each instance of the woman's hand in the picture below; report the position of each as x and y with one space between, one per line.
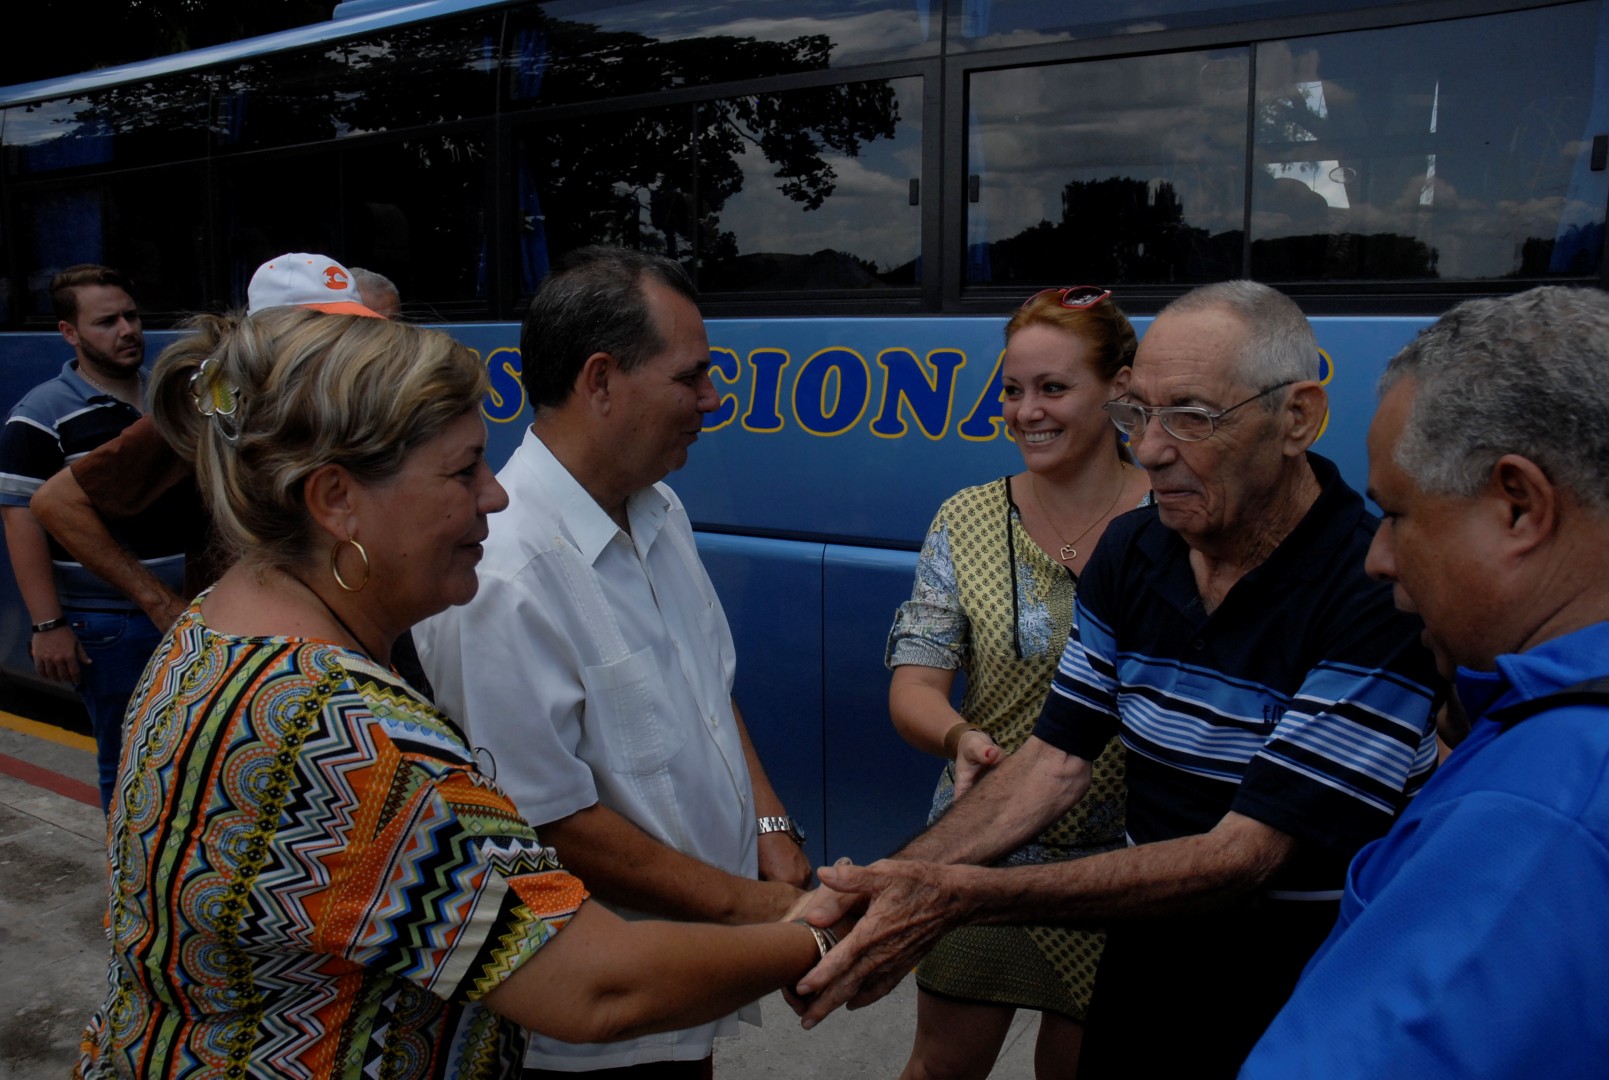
830 910
975 755
912 905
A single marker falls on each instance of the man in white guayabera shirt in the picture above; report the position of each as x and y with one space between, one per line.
595 664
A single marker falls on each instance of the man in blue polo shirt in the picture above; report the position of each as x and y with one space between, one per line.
1277 712
86 632
1472 938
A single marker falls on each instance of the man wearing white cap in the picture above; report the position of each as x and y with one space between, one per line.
301 279
132 472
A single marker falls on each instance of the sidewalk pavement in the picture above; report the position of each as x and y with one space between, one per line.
53 947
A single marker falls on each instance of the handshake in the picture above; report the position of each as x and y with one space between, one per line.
885 917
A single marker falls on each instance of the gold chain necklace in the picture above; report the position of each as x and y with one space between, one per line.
139 382
1068 552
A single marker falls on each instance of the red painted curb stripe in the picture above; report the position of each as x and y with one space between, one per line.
30 773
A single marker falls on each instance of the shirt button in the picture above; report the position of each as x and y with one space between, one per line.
1198 644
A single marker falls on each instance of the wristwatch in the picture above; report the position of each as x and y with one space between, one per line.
50 624
783 824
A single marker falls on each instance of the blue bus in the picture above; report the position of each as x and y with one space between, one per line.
863 190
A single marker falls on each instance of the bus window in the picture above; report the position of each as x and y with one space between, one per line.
431 73
830 207
411 209
1127 170
581 50
135 123
145 222
623 178
1454 150
798 190
994 24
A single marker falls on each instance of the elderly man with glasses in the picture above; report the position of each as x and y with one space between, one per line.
1277 710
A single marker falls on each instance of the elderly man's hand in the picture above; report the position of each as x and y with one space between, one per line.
912 905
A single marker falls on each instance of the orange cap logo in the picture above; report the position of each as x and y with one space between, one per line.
334 278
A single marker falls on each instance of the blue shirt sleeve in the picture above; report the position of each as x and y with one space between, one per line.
1471 944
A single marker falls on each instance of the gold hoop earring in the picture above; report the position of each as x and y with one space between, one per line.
335 565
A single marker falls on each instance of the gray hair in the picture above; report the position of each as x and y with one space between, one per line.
1525 374
1280 346
372 285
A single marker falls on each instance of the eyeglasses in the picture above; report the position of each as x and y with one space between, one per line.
1187 423
1074 296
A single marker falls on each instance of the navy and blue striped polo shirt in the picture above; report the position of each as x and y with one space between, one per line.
1305 700
56 423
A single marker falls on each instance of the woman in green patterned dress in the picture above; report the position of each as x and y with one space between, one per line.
994 598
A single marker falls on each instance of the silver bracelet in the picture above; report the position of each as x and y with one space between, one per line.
825 939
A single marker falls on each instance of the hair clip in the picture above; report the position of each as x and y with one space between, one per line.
216 398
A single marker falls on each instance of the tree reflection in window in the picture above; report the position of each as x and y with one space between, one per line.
1117 171
1454 151
660 179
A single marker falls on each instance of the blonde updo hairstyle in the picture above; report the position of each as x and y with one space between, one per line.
1103 327
306 389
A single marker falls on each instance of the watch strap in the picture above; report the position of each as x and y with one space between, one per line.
782 824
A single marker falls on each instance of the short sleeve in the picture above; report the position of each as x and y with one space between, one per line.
930 629
30 454
438 879
1080 713
125 476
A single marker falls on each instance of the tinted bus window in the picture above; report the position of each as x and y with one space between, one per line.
804 189
1118 171
137 123
580 50
410 209
147 223
825 201
1456 150
1004 23
433 73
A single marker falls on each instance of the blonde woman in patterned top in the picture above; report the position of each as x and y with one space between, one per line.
312 874
994 598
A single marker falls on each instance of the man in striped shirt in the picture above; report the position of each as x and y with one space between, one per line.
1277 712
86 632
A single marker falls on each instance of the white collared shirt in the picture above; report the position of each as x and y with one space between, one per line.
596 666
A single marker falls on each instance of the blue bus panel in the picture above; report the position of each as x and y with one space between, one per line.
812 487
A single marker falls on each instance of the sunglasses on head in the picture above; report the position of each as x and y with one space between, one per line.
1074 296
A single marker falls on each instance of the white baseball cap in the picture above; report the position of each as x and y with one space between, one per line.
302 279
